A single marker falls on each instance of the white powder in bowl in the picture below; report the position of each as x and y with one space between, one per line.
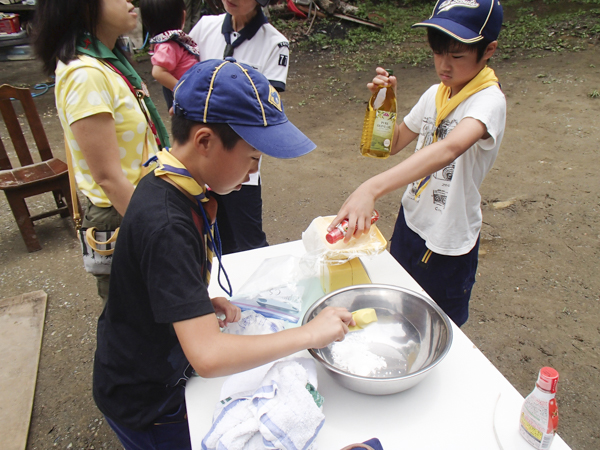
353 354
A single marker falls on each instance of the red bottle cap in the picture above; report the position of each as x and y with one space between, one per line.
548 379
334 235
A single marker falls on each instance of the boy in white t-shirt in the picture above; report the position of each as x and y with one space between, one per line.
459 124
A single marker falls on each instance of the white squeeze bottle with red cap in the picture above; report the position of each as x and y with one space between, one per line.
539 414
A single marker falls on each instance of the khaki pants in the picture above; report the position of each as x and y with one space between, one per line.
103 219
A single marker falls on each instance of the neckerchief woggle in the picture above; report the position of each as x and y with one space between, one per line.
178 36
444 105
245 33
85 46
170 167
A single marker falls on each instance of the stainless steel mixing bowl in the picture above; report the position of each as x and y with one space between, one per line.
411 336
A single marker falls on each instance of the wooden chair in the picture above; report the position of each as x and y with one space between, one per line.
49 175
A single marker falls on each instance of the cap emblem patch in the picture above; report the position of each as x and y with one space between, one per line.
449 4
274 98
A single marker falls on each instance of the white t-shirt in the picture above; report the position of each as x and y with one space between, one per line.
447 212
267 51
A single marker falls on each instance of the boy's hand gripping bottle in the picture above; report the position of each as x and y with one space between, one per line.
339 232
379 124
539 415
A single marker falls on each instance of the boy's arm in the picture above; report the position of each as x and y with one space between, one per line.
213 353
358 208
402 137
163 76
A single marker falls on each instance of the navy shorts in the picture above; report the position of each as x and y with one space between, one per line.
171 432
168 94
447 279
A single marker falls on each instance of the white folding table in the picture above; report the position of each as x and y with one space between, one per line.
465 403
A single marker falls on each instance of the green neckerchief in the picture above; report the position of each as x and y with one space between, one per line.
117 59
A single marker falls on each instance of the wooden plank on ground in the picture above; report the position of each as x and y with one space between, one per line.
21 329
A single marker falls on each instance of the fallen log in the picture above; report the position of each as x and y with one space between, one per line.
355 19
329 6
345 8
320 11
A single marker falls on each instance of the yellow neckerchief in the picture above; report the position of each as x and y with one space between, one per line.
444 105
171 168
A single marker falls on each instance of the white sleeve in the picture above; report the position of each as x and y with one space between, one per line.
277 64
489 107
414 119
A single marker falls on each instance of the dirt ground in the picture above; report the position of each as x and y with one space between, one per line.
536 300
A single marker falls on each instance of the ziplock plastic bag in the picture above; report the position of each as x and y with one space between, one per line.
319 251
252 324
275 289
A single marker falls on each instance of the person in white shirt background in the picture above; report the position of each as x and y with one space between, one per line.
244 33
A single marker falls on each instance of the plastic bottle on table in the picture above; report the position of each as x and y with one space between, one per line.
339 232
539 414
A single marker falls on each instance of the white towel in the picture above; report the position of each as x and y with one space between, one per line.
279 414
250 380
289 416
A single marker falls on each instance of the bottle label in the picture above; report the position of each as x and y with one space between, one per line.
536 424
383 131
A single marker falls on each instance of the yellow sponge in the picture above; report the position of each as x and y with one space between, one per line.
363 317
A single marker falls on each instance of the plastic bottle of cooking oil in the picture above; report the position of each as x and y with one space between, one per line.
539 414
379 124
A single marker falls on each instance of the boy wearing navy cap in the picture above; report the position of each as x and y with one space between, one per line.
459 124
159 323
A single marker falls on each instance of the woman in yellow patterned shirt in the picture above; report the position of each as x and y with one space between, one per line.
106 118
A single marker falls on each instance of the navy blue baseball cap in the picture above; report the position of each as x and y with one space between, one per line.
217 91
467 21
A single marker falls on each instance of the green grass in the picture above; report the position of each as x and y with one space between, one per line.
555 33
395 40
532 28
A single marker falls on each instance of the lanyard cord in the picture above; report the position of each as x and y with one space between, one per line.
216 246
139 96
213 241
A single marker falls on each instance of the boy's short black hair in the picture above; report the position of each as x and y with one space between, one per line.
182 127
443 43
159 16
